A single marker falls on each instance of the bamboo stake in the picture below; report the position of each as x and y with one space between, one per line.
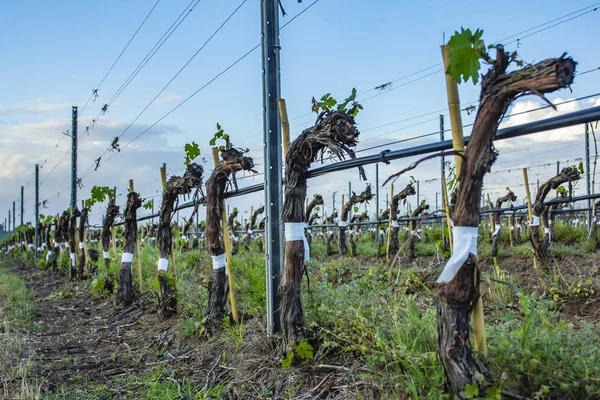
285 126
387 251
138 258
447 209
227 243
529 208
163 179
458 142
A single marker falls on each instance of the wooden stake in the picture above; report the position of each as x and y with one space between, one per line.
285 126
446 205
227 243
529 209
458 142
138 258
387 250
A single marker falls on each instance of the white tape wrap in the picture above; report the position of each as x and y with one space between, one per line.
163 264
549 222
220 262
512 227
48 255
536 221
44 245
295 231
547 232
39 249
249 231
395 224
127 258
342 224
381 232
30 245
496 229
464 243
81 245
518 226
105 254
72 259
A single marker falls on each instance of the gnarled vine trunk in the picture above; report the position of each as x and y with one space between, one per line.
510 196
409 190
231 162
252 224
330 232
72 242
541 246
83 220
112 211
337 133
126 292
459 282
414 228
175 187
309 219
365 196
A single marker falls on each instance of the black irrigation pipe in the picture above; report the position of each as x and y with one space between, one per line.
385 156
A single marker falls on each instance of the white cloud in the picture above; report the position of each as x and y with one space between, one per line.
167 97
37 106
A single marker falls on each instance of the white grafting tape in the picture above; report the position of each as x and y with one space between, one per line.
519 226
547 230
105 254
496 229
72 259
395 223
464 243
295 231
249 231
39 249
163 264
549 222
381 232
81 245
44 245
219 262
48 255
536 221
127 257
30 245
342 224
512 227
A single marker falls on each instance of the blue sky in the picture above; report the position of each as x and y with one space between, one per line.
55 53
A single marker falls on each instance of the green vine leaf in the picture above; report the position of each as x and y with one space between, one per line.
192 150
99 194
304 350
148 204
466 48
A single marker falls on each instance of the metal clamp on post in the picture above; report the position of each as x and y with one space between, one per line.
382 157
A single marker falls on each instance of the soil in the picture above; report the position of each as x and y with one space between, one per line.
85 341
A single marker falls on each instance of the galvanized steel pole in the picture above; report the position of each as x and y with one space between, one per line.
273 159
588 173
36 244
377 198
73 175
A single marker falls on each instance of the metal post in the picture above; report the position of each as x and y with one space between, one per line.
273 158
36 244
436 201
588 174
73 173
152 210
333 203
14 217
21 234
442 173
377 198
197 227
418 195
9 219
557 167
349 197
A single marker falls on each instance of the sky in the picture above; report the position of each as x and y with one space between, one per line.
55 53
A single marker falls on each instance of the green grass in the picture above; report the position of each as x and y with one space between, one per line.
15 302
386 333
